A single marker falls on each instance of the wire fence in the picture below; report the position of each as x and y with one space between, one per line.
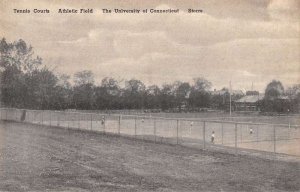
229 136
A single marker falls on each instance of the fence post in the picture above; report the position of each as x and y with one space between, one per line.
91 121
135 126
78 116
39 118
289 130
66 119
104 123
154 124
257 133
58 120
204 134
14 116
274 133
177 132
241 129
67 115
235 143
119 125
222 132
42 117
50 118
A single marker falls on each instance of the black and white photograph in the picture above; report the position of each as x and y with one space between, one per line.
156 95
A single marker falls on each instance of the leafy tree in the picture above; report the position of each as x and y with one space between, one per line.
41 93
134 94
182 91
293 93
83 91
19 56
83 96
272 101
152 97
167 97
201 84
17 63
108 94
199 96
274 90
64 92
84 77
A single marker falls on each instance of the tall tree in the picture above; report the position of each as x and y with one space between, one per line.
42 90
272 101
182 92
199 96
134 94
152 97
167 97
274 90
83 92
293 93
108 94
63 92
84 77
201 84
16 60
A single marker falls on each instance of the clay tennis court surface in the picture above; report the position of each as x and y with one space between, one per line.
41 158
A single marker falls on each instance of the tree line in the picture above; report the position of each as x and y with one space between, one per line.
277 99
27 83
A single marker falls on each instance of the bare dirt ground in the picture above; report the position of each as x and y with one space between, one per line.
37 158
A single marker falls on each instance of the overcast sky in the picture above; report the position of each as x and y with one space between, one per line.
242 41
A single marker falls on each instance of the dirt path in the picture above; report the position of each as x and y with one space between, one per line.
35 158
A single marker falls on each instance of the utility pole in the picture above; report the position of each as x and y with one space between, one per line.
230 98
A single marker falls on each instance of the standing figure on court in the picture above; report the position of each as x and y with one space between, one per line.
192 123
103 120
251 131
213 137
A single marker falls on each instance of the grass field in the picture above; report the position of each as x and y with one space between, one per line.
41 158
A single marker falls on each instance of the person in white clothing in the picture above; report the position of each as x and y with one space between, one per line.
192 123
103 120
251 131
213 137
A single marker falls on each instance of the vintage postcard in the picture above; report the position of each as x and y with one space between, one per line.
157 95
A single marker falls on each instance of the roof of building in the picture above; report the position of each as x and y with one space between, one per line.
250 99
222 92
